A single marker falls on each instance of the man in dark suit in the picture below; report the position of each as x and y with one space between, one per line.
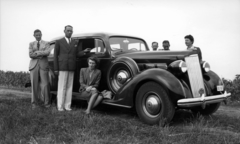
189 40
65 54
38 67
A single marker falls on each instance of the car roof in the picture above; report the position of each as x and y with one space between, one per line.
99 34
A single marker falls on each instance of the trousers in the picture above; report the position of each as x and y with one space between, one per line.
65 86
40 85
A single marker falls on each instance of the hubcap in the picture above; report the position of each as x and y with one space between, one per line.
119 78
122 76
152 104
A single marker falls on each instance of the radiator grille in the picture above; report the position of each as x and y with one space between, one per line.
194 74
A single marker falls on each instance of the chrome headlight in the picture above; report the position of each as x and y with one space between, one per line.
178 66
206 66
183 66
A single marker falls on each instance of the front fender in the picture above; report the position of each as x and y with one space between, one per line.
126 94
212 80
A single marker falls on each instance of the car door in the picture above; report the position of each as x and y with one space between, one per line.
99 50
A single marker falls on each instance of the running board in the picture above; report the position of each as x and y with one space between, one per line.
77 96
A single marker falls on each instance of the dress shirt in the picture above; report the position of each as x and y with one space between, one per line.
67 39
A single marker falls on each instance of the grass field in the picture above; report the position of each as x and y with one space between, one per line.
106 125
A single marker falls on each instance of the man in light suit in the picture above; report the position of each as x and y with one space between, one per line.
65 53
38 67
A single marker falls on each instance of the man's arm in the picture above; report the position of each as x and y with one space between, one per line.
199 53
46 52
32 54
56 53
83 53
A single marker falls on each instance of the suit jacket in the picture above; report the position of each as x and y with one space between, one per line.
86 81
41 57
65 55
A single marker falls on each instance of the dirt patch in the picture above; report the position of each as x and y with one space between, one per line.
9 93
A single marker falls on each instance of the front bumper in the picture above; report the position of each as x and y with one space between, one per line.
202 100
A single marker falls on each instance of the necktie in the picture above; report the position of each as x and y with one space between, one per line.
38 45
69 41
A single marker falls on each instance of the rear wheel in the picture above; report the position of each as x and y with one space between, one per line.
209 109
153 104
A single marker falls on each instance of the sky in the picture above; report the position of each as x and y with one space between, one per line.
215 25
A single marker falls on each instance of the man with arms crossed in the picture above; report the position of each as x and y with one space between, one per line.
38 67
65 54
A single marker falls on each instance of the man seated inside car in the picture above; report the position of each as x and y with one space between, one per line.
89 81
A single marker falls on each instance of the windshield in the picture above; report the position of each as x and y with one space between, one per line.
126 44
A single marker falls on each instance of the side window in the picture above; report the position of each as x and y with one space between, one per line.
99 47
137 46
52 50
115 46
96 45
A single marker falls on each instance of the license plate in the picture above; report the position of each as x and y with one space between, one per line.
219 88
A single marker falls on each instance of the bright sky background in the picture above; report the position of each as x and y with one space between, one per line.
215 25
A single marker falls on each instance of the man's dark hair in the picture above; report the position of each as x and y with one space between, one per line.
95 59
189 37
166 41
154 42
67 26
37 30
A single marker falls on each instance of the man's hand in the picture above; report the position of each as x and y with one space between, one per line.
34 54
87 50
56 73
88 89
37 54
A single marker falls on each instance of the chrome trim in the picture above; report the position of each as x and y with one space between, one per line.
122 76
153 105
204 66
203 100
195 75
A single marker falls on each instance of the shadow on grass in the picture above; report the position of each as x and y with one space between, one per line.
103 109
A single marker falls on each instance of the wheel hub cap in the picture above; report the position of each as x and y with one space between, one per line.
153 105
122 76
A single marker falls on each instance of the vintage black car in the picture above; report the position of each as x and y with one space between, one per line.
154 83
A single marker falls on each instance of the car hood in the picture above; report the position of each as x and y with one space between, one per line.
166 55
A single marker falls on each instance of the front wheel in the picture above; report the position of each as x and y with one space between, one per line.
209 109
153 105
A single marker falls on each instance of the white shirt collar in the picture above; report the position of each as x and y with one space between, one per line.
39 41
68 39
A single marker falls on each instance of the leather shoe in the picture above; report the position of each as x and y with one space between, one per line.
68 109
60 109
47 106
